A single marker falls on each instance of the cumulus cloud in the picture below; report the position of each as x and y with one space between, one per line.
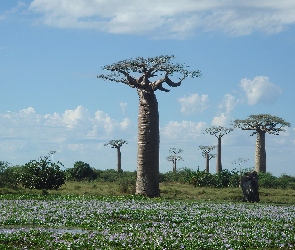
184 130
171 18
193 103
222 120
19 129
227 105
260 90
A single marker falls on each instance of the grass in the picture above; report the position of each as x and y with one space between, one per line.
171 191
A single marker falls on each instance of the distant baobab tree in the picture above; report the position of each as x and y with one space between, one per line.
218 132
206 153
117 144
174 157
138 73
260 125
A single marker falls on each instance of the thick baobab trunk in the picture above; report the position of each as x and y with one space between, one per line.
119 168
174 165
218 162
207 163
260 154
148 145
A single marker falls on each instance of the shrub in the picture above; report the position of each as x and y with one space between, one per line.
81 171
127 185
182 175
202 179
42 174
11 176
267 180
3 167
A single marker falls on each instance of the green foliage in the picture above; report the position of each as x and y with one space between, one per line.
127 185
267 180
202 179
11 176
81 171
224 178
182 175
158 64
3 168
262 122
42 174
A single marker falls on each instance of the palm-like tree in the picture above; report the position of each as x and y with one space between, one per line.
148 118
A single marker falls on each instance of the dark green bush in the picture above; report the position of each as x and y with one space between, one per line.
81 172
267 180
10 177
42 174
182 175
202 179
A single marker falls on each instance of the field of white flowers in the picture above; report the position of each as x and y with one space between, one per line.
85 222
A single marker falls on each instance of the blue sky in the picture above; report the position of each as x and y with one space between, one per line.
50 99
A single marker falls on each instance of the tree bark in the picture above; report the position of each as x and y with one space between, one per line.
207 163
119 168
218 162
260 154
148 145
174 165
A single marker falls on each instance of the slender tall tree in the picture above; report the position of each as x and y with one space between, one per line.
148 118
206 154
117 144
218 132
260 125
174 157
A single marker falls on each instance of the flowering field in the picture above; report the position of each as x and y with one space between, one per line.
85 222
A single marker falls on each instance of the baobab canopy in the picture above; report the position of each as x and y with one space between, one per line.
264 123
148 67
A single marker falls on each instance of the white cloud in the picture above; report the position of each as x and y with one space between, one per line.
193 103
171 18
228 103
184 130
221 120
226 106
27 127
123 105
260 90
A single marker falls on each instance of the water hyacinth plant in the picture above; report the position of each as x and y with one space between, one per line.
131 222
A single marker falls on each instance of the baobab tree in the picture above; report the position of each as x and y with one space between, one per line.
206 153
145 69
117 144
174 157
218 132
262 124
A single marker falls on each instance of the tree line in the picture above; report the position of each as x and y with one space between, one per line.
43 174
